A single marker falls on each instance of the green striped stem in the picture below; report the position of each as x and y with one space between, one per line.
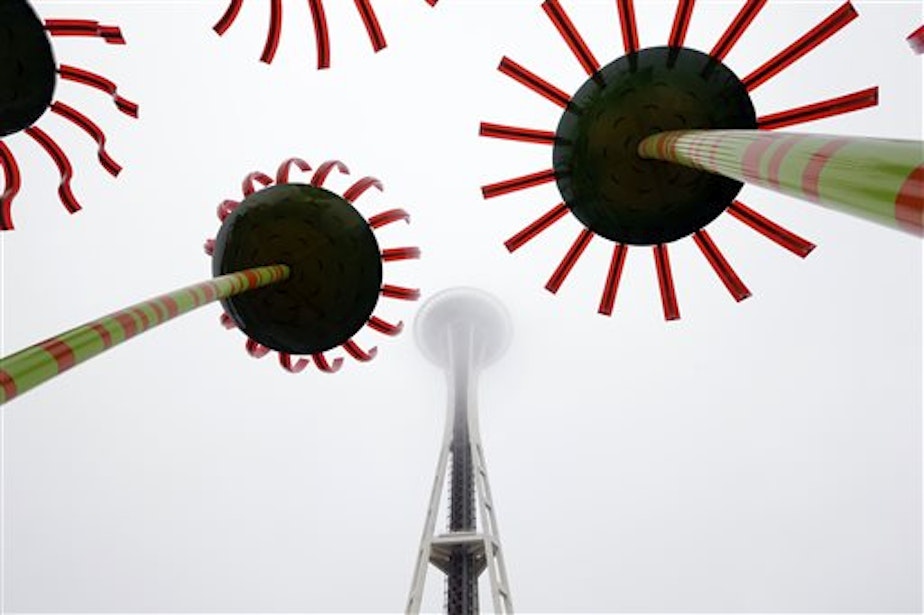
32 366
878 179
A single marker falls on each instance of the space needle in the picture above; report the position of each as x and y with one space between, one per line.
462 330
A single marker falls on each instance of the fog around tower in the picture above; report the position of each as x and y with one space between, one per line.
465 311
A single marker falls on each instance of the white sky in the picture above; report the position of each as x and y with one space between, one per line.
756 457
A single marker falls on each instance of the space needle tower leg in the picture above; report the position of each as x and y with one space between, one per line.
462 330
497 570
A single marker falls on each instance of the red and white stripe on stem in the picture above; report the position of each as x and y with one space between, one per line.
250 185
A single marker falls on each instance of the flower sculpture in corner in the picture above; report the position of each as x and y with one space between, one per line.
322 40
28 75
657 144
334 258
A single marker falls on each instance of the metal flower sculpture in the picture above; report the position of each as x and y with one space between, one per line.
28 75
658 143
319 19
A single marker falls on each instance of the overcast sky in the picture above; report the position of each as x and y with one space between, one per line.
762 456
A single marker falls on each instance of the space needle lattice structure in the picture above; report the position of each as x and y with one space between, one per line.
462 330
